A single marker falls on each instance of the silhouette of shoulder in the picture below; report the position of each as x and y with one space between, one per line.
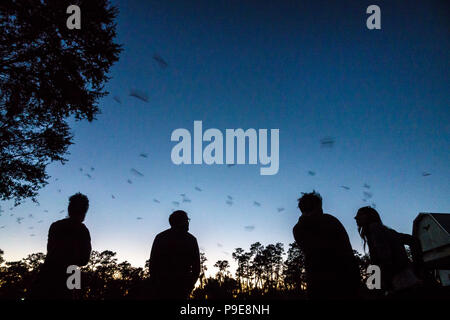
68 240
322 232
171 234
69 224
322 221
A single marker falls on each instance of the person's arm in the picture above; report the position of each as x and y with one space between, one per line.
85 248
52 244
195 264
297 234
154 255
379 246
416 250
51 241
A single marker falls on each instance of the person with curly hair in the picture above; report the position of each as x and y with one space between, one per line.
331 268
69 243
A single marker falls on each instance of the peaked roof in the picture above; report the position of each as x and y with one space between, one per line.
443 219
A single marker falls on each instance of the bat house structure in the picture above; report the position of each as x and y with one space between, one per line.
433 231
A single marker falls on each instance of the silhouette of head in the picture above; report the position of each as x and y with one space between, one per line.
78 206
310 204
365 217
179 220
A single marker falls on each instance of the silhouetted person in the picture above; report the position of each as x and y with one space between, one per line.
69 243
174 260
331 268
387 250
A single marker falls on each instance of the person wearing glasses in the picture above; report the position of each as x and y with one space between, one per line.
174 260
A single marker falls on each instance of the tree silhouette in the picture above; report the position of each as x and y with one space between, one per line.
272 261
48 74
363 263
242 271
223 272
294 269
260 272
256 265
203 269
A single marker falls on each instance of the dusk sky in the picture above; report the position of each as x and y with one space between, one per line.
308 68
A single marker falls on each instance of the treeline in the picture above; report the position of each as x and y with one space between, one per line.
262 272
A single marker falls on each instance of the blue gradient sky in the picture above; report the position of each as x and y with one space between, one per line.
309 68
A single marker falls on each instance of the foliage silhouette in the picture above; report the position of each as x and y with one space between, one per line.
261 272
48 74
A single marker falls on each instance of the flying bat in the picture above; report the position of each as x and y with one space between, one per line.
198 189
345 187
367 194
139 95
249 228
256 203
161 62
327 142
136 173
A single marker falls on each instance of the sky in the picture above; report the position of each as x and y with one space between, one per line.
308 68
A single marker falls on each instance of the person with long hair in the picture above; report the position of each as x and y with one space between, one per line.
387 251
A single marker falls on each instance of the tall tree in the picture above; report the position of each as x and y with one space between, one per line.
272 257
241 270
203 269
48 74
257 264
223 266
294 268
